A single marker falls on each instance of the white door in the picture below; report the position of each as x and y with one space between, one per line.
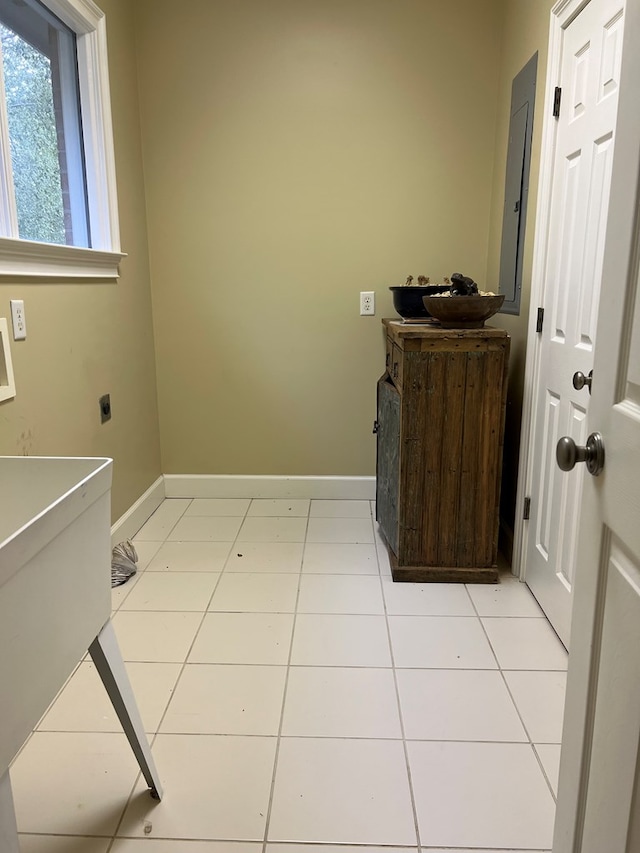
589 74
599 792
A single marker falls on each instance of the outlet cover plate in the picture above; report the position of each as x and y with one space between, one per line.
18 319
367 302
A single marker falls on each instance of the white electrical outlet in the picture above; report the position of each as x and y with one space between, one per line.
367 302
18 320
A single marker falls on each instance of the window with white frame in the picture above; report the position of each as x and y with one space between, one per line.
58 206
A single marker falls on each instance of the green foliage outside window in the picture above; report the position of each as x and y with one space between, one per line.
33 140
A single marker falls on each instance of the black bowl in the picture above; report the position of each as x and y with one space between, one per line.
407 299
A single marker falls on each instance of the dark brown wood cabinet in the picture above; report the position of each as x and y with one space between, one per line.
440 429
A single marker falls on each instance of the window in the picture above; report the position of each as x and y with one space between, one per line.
58 208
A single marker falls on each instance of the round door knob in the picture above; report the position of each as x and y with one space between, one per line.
568 453
580 380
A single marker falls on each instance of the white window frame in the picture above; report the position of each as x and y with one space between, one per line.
48 260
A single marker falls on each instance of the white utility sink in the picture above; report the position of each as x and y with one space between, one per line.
39 497
55 602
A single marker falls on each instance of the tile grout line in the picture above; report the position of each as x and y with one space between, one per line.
151 740
293 845
139 574
386 738
412 796
183 666
515 704
289 665
190 501
152 736
204 615
176 683
276 756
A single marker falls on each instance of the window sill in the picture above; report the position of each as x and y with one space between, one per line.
27 259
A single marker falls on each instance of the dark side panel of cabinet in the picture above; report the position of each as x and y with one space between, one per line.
388 461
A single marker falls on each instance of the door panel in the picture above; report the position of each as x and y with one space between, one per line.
548 474
611 57
591 262
567 256
616 732
571 491
590 68
599 801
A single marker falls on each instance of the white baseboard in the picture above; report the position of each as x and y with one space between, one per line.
241 486
237 486
128 524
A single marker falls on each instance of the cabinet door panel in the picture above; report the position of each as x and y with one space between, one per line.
422 459
388 464
450 534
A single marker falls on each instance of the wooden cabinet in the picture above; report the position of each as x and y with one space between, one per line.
440 428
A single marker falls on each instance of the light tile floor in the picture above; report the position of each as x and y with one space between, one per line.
298 701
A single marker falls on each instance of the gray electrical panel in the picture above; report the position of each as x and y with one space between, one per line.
514 217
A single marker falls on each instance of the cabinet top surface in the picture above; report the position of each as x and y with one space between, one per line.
400 329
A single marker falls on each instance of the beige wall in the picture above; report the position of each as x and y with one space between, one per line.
526 30
297 152
87 339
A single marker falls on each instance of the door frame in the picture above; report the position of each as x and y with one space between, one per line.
619 265
562 14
